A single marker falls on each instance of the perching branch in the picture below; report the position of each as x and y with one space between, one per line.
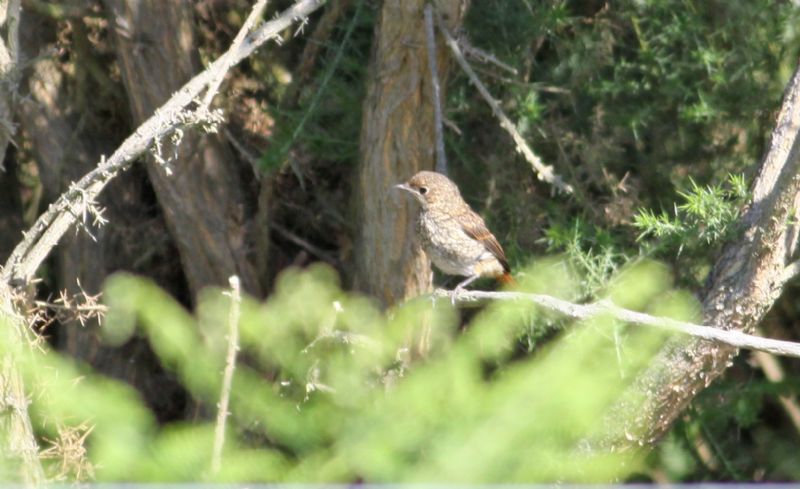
607 308
227 377
544 172
63 213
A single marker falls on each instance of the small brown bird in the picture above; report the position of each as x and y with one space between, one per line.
455 238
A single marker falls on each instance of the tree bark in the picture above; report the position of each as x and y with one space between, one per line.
746 280
397 140
10 210
207 206
65 146
19 452
9 54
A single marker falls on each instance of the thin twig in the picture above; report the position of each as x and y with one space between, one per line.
51 226
596 309
305 244
227 58
452 125
483 56
545 172
227 377
790 271
436 92
245 153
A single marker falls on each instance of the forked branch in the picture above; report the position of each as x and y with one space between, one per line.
175 113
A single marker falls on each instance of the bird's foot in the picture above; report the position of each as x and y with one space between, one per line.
455 293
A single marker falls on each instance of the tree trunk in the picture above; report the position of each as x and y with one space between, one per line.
746 281
9 52
19 452
397 140
66 142
207 206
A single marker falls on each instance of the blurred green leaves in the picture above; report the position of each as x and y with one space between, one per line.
329 389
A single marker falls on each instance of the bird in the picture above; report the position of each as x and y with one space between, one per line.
455 237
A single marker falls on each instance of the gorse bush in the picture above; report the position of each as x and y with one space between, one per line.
627 100
328 388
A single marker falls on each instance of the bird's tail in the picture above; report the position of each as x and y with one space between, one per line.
506 279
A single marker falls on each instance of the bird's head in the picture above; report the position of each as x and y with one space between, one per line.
431 189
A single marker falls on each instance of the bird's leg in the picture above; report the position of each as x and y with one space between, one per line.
460 287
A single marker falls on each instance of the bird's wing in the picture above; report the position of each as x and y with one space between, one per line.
476 229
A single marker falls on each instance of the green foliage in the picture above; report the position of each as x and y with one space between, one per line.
706 216
627 100
324 391
700 446
318 120
703 220
592 251
643 106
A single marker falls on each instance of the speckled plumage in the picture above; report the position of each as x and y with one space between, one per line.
455 238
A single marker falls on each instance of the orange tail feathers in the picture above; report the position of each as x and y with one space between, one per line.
506 279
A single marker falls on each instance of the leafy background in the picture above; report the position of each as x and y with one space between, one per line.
657 111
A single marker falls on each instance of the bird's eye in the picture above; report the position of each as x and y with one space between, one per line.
423 190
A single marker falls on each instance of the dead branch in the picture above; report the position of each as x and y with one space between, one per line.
544 172
606 308
484 57
9 69
326 256
62 214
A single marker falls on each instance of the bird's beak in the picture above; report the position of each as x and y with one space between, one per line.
403 186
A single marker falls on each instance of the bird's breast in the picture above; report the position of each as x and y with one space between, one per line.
447 245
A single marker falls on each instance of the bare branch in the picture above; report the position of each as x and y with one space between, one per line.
544 172
51 226
790 271
436 91
315 250
9 71
606 308
483 56
227 377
